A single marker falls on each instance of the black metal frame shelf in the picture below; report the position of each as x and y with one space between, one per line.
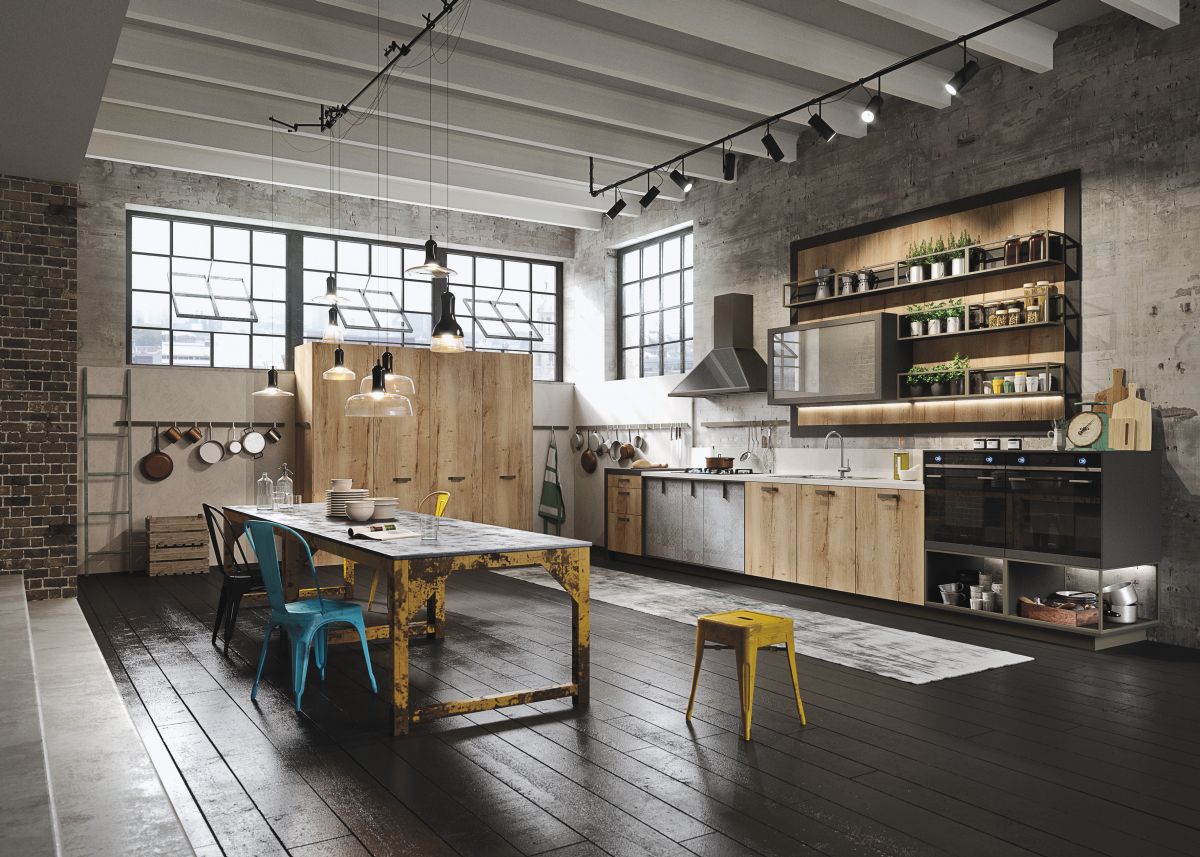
1058 245
1059 320
1055 371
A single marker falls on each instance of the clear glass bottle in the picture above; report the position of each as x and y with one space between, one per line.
265 494
284 488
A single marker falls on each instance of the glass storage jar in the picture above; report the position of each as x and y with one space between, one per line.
1037 247
1012 249
1015 314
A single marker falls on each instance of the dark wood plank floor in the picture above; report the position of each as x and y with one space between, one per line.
1073 754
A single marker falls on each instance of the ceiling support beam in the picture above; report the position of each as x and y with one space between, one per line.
1160 13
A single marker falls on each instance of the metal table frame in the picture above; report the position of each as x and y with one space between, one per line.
418 581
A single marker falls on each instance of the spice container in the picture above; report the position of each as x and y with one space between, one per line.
1015 314
1012 250
994 314
1037 247
1033 314
976 317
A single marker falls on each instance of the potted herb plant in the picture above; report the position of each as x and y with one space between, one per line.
938 256
952 312
948 379
918 381
960 261
934 313
916 320
916 258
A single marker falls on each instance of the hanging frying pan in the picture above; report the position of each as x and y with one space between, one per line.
588 461
211 451
232 444
253 442
157 465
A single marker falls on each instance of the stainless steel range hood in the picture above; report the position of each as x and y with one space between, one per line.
733 366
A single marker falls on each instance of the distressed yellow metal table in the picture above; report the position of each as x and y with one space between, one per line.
416 572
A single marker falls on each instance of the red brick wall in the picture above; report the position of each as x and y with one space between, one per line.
38 407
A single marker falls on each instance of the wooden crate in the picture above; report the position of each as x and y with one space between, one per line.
177 544
1060 616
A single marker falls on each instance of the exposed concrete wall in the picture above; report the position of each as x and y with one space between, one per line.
1122 106
106 189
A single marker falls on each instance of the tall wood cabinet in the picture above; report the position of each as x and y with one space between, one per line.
471 434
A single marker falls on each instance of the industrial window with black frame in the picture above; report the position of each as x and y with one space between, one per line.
655 305
211 293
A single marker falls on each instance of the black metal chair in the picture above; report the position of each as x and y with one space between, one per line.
241 577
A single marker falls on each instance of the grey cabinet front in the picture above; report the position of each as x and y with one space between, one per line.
724 537
663 516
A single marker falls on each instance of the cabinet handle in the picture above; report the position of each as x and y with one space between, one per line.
622 517
888 496
508 476
826 492
770 489
456 478
622 493
984 478
402 479
623 481
933 476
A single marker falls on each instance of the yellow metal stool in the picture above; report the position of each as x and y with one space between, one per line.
746 631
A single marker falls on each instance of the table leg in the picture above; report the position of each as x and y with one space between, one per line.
435 612
580 625
293 567
401 611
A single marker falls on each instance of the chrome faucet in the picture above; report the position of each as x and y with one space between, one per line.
843 468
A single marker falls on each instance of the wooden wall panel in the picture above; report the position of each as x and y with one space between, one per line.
507 418
400 446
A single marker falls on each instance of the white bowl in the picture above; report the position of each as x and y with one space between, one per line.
360 510
912 474
385 509
341 484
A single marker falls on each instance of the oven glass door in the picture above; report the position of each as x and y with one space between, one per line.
1054 513
965 505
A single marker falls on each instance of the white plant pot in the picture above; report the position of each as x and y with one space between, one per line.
916 273
937 270
934 326
916 328
958 266
954 324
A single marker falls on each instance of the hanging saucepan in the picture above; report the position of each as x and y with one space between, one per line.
614 449
253 442
577 440
157 465
628 450
233 445
211 451
273 434
639 441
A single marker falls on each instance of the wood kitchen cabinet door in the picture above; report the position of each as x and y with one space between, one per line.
400 445
890 541
825 537
333 446
771 530
455 444
507 473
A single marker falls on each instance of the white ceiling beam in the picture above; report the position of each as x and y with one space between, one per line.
784 39
174 155
352 156
252 69
1022 43
1160 13
188 97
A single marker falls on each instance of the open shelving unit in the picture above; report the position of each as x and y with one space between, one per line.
976 377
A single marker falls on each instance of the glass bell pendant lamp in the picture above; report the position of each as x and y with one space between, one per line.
331 295
447 336
334 332
272 388
339 371
378 402
393 383
431 268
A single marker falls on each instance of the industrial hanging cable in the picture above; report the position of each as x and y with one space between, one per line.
953 86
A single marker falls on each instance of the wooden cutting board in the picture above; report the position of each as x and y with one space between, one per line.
1137 410
1116 393
1122 433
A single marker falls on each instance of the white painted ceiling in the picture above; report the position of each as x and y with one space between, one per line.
536 86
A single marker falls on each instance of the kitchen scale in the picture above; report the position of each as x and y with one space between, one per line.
1088 429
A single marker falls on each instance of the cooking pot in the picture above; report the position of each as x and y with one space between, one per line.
1120 594
719 462
1123 615
253 442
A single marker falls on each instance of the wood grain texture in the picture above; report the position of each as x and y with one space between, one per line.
991 409
507 406
889 542
455 443
1138 412
400 445
625 533
625 501
825 539
771 530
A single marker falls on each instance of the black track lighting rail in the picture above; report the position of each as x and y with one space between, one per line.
816 102
330 114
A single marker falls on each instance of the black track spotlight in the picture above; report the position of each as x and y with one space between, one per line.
649 196
955 84
729 166
874 107
617 207
682 181
821 126
772 146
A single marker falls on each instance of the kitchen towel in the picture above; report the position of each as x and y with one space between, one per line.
902 655
552 509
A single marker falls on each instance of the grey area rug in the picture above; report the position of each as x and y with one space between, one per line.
903 655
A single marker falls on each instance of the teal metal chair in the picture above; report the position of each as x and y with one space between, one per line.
304 621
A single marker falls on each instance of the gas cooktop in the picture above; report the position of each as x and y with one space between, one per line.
721 471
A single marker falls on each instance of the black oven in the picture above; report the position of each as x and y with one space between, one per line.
966 499
1054 504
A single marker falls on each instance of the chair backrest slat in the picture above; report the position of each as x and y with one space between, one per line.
226 541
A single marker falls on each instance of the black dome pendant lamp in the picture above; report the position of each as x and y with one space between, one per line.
447 336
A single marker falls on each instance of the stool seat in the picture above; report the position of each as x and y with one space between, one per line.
746 631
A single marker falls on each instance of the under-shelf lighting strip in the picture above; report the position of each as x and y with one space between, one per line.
953 86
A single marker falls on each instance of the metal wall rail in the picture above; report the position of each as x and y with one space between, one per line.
634 426
745 424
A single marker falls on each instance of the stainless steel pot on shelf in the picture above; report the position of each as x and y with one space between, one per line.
1120 594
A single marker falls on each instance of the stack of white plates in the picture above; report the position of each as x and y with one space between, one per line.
335 501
